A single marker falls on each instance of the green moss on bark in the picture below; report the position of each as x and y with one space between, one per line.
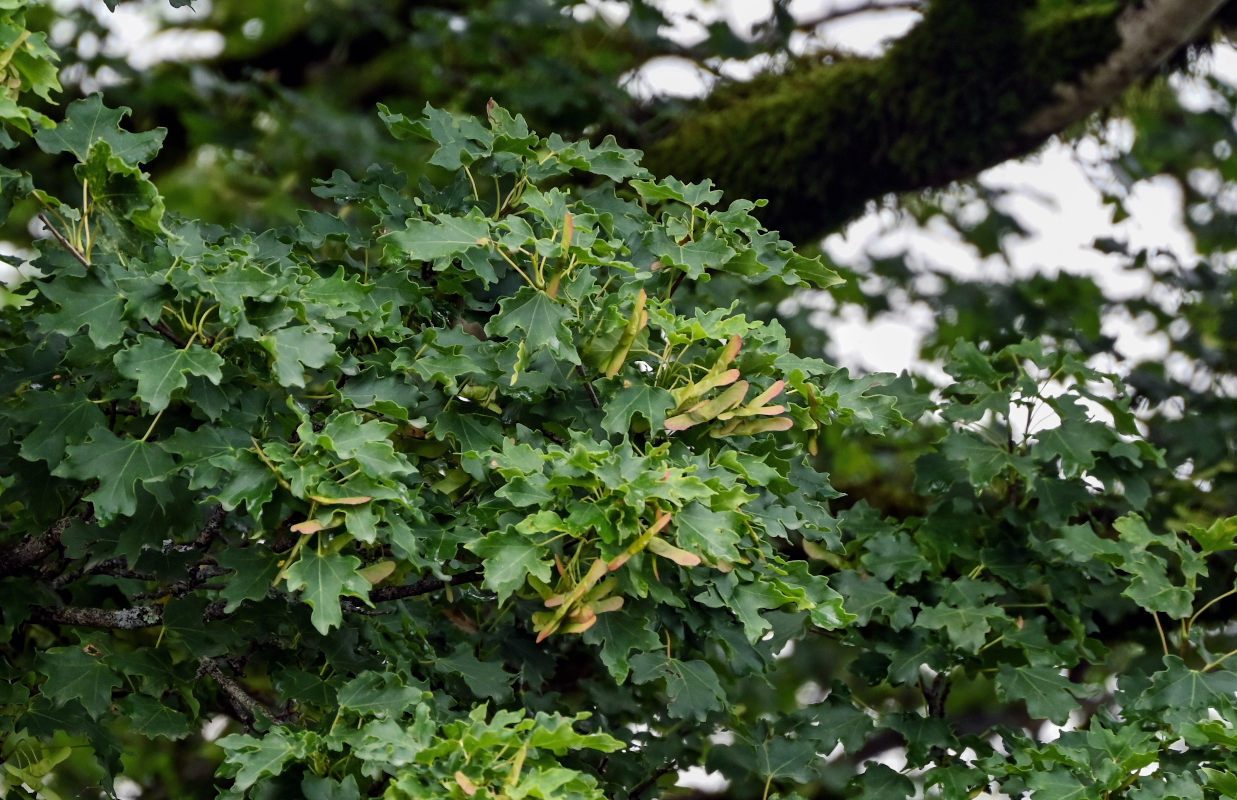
819 140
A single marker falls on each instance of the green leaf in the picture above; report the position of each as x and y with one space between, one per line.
695 256
377 694
160 369
323 579
649 402
508 558
152 718
84 303
298 348
541 318
1185 694
711 534
65 417
671 188
814 271
618 633
428 241
1059 784
119 465
691 686
253 573
1045 690
983 460
87 121
255 758
78 673
966 626
484 678
1219 536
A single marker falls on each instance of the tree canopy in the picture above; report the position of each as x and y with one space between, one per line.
396 406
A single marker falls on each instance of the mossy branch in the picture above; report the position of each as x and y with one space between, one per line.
970 86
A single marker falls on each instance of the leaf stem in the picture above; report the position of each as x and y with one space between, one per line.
153 423
1209 604
270 464
1160 628
1213 664
523 274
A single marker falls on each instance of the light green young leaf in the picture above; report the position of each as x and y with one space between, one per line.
265 756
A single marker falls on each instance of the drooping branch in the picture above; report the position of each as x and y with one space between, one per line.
246 706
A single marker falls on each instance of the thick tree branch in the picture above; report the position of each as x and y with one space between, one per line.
972 85
1150 33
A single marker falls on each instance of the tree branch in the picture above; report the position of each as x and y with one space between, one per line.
167 333
244 704
1150 33
123 619
424 586
971 85
214 522
32 549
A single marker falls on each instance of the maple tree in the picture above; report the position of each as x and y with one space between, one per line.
501 483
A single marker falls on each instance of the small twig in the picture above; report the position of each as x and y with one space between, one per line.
246 706
651 780
862 8
65 243
424 586
588 387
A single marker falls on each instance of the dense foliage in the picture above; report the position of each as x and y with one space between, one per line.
503 480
